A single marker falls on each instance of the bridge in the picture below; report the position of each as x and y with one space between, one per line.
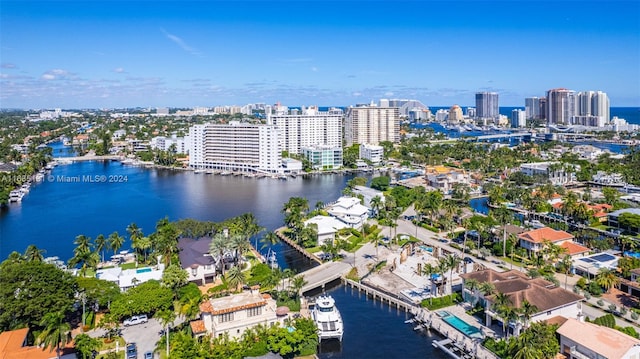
318 277
88 158
521 135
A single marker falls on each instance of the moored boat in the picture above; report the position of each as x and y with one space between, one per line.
327 318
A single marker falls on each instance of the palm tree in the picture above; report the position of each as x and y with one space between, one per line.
218 248
249 225
297 283
526 310
473 286
607 278
144 243
502 306
269 239
235 277
376 204
115 241
190 307
429 270
239 245
166 317
565 265
99 244
452 261
83 244
135 234
503 216
442 268
56 332
34 254
487 289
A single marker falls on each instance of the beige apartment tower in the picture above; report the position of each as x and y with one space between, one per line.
371 125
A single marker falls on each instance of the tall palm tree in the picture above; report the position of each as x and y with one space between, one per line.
235 278
429 270
565 265
99 244
83 244
452 261
503 215
239 245
250 226
166 317
115 241
487 289
376 204
218 248
442 268
135 234
297 283
56 332
34 254
473 286
526 310
269 239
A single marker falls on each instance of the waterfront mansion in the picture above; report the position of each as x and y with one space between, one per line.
234 314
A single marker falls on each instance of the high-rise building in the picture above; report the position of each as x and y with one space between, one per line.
237 147
308 128
543 108
518 118
404 105
487 105
532 108
593 104
561 106
455 114
371 125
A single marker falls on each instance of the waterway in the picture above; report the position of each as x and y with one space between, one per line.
59 209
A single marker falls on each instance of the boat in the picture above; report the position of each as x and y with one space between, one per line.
327 318
15 196
225 173
271 259
198 171
128 161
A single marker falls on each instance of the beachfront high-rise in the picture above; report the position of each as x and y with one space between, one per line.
308 128
561 106
532 108
237 147
594 106
371 125
487 107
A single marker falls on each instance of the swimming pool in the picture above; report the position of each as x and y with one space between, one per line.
460 325
426 249
143 270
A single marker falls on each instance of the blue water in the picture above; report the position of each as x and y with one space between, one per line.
54 213
460 325
480 205
375 330
143 270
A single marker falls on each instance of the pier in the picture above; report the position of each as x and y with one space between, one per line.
295 245
318 277
391 300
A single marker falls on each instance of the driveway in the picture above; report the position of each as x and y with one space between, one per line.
144 335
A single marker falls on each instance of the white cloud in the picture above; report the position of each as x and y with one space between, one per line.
55 74
181 43
48 77
7 65
119 70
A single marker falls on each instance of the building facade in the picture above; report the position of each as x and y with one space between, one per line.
518 119
532 108
237 147
561 106
310 127
324 157
487 107
371 125
373 153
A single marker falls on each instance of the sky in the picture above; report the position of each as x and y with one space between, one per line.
114 54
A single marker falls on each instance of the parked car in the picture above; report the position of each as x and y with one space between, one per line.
136 319
148 355
132 351
468 259
443 240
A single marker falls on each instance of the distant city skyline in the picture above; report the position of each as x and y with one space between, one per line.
98 54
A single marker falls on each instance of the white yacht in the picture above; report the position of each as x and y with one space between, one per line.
327 318
16 196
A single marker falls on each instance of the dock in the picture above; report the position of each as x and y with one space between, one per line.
390 299
88 158
295 245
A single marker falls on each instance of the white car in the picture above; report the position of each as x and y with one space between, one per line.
136 319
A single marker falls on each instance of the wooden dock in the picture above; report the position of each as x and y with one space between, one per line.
391 300
295 245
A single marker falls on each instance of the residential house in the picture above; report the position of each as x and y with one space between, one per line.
590 265
553 171
631 287
129 278
349 210
443 178
580 340
234 314
14 345
535 240
550 300
196 260
327 228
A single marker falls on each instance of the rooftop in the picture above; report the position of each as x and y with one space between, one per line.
543 234
539 292
233 303
194 251
607 342
12 346
573 248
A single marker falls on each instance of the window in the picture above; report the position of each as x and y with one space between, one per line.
252 312
226 317
194 271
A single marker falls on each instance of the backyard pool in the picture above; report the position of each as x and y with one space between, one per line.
460 325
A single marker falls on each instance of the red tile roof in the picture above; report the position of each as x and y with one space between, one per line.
574 248
197 326
11 347
545 234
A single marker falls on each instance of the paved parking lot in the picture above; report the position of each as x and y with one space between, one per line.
144 335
